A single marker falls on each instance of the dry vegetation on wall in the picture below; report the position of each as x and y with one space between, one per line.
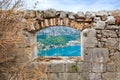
10 39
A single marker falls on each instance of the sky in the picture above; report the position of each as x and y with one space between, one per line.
74 5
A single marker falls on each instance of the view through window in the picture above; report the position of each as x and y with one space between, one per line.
59 41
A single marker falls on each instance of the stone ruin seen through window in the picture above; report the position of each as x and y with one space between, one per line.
59 41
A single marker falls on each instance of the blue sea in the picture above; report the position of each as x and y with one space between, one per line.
67 51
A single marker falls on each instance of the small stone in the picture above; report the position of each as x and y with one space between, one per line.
104 18
80 15
111 67
110 20
50 13
112 43
111 27
29 14
96 19
89 14
101 13
39 15
99 25
109 33
61 14
71 16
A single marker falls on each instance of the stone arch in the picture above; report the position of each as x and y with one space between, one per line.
47 18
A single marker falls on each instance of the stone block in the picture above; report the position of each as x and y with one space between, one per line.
100 55
71 76
111 67
100 25
54 76
87 54
109 76
98 67
112 43
84 67
84 76
89 33
109 33
71 67
95 76
111 27
57 67
110 20
89 42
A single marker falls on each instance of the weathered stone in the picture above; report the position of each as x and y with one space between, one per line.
111 67
88 20
110 20
71 15
39 15
80 15
29 13
71 76
109 76
96 19
89 42
54 76
84 76
98 67
100 55
99 25
104 18
89 33
109 33
101 13
50 13
57 67
71 67
61 14
119 33
89 14
111 27
89 38
112 43
84 67
95 76
119 44
80 20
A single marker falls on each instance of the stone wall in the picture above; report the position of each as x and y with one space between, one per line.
100 45
100 33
